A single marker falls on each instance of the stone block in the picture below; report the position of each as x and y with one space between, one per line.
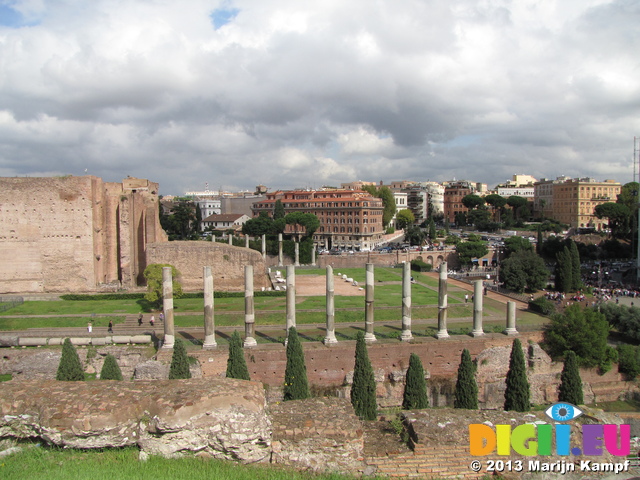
98 341
121 339
55 341
80 340
9 341
140 339
32 341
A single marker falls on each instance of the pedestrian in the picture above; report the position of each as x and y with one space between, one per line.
161 317
466 298
110 329
152 320
140 320
89 327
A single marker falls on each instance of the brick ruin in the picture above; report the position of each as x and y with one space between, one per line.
75 234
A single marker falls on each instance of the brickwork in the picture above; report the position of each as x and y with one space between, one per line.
227 264
75 234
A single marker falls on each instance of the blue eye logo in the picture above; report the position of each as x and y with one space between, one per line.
563 412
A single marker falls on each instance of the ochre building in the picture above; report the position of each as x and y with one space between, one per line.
349 219
75 234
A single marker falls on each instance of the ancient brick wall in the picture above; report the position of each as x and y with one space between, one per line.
74 234
227 264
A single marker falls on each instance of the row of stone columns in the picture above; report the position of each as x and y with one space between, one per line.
330 338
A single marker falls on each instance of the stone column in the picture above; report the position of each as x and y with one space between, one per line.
291 297
264 246
406 303
249 310
511 319
230 239
313 255
209 326
167 307
442 303
279 249
330 338
477 309
369 336
297 252
246 241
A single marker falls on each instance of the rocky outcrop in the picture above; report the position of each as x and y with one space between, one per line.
222 418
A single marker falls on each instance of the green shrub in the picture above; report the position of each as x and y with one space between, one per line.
420 266
179 361
363 388
415 387
296 385
570 382
542 305
629 361
110 369
516 396
236 364
70 368
466 392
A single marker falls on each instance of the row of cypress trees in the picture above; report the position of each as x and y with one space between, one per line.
70 367
363 389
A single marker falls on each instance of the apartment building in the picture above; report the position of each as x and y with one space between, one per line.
573 200
349 219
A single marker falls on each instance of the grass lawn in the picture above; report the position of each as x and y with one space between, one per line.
23 323
116 464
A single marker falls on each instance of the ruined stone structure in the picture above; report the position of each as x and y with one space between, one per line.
75 234
227 264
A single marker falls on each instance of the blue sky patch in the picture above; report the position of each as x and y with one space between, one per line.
9 17
221 16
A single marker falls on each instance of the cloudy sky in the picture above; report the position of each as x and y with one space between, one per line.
289 93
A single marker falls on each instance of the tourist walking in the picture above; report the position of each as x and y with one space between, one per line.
152 320
110 329
161 317
140 320
89 327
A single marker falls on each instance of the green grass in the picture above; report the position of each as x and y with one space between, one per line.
24 323
116 464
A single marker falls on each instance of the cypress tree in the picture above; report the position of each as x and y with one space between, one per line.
363 389
415 387
432 230
466 393
179 361
539 242
570 382
110 369
296 386
576 275
564 271
70 369
236 365
516 396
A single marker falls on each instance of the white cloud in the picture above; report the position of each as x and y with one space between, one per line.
301 93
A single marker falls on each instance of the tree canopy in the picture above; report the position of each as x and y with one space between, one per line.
472 201
524 270
618 216
389 202
153 276
584 331
405 218
470 250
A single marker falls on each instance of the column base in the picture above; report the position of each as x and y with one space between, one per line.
209 343
442 334
370 338
406 336
168 342
477 333
250 342
511 331
330 340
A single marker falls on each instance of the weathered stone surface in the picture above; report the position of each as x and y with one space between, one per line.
320 434
223 418
30 364
8 340
151 370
